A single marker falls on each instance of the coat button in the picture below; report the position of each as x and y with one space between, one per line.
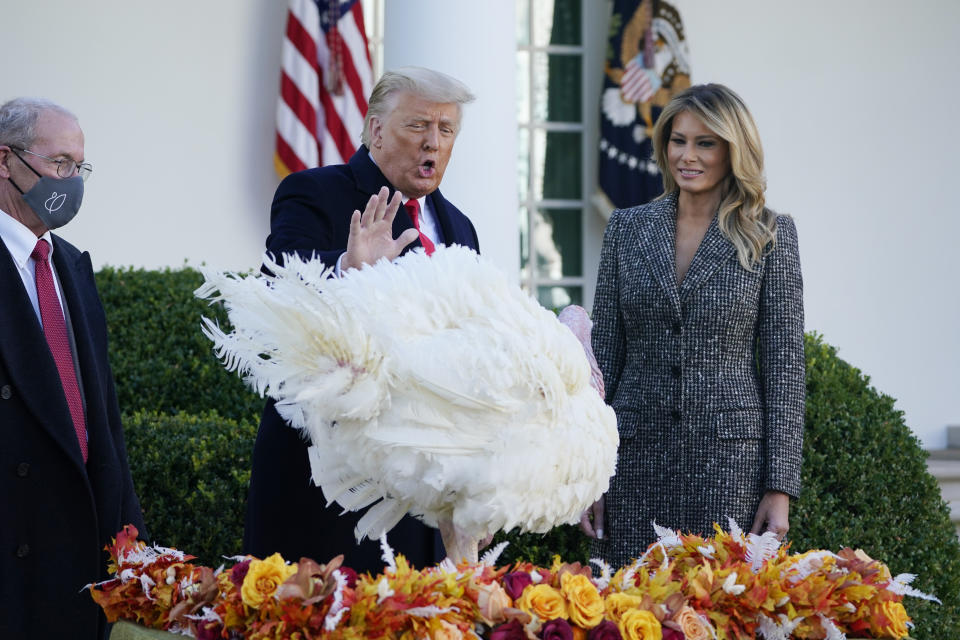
675 414
6 392
675 370
677 329
23 469
23 551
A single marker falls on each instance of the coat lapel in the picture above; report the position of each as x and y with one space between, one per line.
714 250
30 363
656 232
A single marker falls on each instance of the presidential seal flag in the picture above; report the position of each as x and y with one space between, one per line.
647 63
326 76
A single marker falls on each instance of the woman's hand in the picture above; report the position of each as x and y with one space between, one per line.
591 522
773 514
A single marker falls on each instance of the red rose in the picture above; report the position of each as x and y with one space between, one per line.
557 629
514 583
608 630
239 572
512 630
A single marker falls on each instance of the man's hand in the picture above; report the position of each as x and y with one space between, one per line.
773 514
371 233
591 522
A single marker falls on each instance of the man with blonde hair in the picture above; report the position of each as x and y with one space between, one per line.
412 122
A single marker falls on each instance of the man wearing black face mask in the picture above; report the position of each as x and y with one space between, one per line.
65 486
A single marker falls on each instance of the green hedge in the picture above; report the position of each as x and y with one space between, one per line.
191 473
864 473
161 361
866 485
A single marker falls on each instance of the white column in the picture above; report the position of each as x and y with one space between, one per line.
475 43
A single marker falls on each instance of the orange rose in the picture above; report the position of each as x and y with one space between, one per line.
639 624
262 579
692 625
492 600
619 603
584 604
543 601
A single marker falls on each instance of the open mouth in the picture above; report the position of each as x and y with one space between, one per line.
690 173
426 169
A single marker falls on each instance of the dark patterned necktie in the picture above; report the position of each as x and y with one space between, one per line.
413 208
55 329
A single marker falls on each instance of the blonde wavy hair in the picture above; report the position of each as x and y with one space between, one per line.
742 216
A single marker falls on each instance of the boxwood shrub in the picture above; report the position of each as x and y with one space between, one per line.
865 482
161 361
191 474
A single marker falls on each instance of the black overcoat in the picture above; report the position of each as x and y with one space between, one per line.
57 513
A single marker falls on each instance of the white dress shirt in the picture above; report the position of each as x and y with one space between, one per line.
20 243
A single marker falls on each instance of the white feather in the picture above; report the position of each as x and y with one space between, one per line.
433 384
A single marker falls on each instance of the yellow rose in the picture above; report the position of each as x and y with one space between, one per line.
492 600
584 604
262 579
447 631
896 620
639 624
692 625
543 601
619 603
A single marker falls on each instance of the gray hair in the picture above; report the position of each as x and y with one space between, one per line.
425 83
18 120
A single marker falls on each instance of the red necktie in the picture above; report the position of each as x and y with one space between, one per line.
413 208
55 329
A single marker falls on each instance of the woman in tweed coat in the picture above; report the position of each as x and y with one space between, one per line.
698 329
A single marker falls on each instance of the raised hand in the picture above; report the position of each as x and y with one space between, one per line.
371 233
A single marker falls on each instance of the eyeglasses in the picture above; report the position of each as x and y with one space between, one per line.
65 166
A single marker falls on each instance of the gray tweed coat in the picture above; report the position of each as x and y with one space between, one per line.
707 379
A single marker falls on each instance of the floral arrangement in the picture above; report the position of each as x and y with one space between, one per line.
684 587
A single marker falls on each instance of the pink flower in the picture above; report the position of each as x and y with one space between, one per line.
512 630
557 629
514 583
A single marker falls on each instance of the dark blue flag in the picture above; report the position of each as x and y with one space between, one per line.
647 63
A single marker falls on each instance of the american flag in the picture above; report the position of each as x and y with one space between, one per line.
325 79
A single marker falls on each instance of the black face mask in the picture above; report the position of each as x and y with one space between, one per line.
55 200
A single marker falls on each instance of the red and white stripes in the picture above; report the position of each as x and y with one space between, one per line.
325 80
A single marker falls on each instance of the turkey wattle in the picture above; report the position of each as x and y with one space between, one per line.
428 385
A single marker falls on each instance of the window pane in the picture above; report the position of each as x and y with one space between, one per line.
559 297
563 104
524 244
556 87
523 22
523 86
523 163
556 22
559 156
557 241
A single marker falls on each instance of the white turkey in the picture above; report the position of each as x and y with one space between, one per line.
428 385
